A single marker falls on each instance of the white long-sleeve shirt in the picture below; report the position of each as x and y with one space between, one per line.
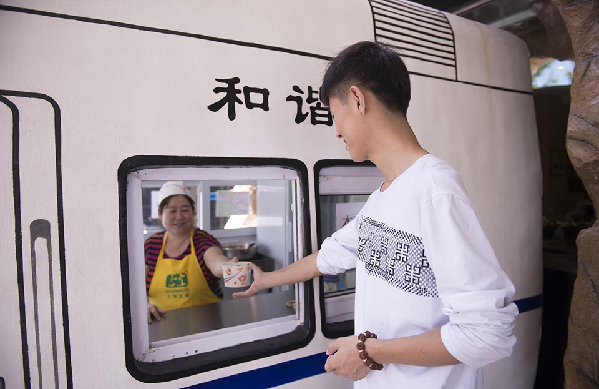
422 262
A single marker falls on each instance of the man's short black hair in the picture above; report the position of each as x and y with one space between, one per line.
373 66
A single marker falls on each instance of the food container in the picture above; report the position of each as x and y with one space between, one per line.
242 251
236 274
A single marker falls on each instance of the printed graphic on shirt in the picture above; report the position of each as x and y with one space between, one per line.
396 257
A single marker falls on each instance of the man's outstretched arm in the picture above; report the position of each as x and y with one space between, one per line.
303 270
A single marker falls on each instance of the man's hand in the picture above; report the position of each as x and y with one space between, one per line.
155 312
256 286
299 271
343 359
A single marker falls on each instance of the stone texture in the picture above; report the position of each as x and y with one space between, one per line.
581 362
582 355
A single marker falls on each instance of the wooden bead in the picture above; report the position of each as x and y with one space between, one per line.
361 346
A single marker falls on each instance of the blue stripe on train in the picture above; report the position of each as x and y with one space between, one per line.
529 303
286 372
270 376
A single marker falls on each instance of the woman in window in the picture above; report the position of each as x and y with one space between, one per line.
183 263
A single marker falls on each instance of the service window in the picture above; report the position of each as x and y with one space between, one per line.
343 189
256 209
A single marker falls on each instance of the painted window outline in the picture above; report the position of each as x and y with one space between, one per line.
289 335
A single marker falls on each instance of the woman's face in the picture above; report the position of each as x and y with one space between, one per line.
177 215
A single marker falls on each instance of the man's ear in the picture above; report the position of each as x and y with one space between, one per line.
357 99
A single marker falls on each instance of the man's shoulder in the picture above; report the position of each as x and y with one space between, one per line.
440 176
436 165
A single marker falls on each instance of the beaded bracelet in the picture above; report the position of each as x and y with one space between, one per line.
372 365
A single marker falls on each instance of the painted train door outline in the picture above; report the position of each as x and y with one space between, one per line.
46 260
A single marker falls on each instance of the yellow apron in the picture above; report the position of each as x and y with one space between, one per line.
179 283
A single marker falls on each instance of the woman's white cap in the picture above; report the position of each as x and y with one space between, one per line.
171 188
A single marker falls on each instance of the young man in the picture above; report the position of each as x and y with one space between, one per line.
427 280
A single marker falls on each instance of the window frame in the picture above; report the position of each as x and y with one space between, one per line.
291 334
337 300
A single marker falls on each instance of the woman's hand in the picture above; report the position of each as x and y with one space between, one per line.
155 312
256 286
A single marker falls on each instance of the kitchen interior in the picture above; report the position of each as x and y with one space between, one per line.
230 212
254 221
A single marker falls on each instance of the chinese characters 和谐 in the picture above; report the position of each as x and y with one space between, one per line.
259 98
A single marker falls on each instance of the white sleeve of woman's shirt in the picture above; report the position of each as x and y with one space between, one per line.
475 292
338 252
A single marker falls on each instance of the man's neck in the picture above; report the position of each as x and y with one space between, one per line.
395 149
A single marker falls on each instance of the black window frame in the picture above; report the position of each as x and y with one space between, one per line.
151 372
342 328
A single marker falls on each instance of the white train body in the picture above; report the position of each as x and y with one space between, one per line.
97 98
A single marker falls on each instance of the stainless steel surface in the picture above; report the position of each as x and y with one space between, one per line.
242 251
229 313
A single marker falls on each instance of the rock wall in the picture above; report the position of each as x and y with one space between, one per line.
581 362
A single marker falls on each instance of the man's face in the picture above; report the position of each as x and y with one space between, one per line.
348 127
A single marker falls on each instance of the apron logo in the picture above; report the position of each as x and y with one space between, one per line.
178 280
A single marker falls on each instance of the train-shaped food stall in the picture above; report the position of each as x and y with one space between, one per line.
103 102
